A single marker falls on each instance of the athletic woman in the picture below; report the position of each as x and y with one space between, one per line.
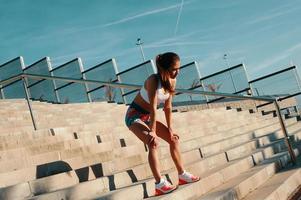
141 119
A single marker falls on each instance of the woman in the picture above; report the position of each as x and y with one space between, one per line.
141 119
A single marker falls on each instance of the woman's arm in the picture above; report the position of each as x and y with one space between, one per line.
152 85
168 110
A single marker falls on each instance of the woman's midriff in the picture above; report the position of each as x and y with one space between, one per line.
142 103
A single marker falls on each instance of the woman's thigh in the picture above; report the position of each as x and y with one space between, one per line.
162 131
141 130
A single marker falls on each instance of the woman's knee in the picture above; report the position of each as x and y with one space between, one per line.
174 142
153 142
141 131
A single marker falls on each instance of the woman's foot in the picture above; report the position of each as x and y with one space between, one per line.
186 177
164 187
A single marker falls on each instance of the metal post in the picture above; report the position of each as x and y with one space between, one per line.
225 58
81 68
139 43
295 71
118 79
201 82
204 88
1 92
53 82
29 104
286 137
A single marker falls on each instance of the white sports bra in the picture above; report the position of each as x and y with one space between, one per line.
160 94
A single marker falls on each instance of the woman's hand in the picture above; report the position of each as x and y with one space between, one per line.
173 137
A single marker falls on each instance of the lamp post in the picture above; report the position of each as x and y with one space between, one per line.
139 43
225 58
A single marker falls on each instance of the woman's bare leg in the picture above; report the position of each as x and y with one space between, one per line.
163 132
141 130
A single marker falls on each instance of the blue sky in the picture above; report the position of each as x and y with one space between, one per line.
265 35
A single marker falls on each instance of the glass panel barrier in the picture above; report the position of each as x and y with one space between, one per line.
7 70
130 96
64 90
240 79
72 69
106 93
105 71
136 75
188 78
232 80
14 90
283 83
73 93
41 89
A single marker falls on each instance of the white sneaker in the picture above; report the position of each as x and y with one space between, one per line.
186 177
164 187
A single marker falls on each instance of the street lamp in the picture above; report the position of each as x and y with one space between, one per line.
225 58
139 43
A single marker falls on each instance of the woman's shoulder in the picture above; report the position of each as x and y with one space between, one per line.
152 78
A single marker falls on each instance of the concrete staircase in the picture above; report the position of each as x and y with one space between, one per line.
85 151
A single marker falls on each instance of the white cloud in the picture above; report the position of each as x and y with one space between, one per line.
178 44
273 14
179 16
126 19
73 30
279 57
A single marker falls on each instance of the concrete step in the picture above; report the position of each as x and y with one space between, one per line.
44 126
63 130
68 139
125 178
210 179
62 147
234 185
127 157
222 141
244 141
88 138
19 137
230 154
16 140
221 135
41 148
40 185
27 161
244 183
38 123
224 128
16 129
121 180
166 152
279 187
63 180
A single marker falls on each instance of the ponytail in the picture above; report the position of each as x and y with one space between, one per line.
163 63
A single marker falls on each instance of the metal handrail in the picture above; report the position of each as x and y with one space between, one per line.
22 76
130 86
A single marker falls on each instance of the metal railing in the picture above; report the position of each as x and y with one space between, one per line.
23 76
